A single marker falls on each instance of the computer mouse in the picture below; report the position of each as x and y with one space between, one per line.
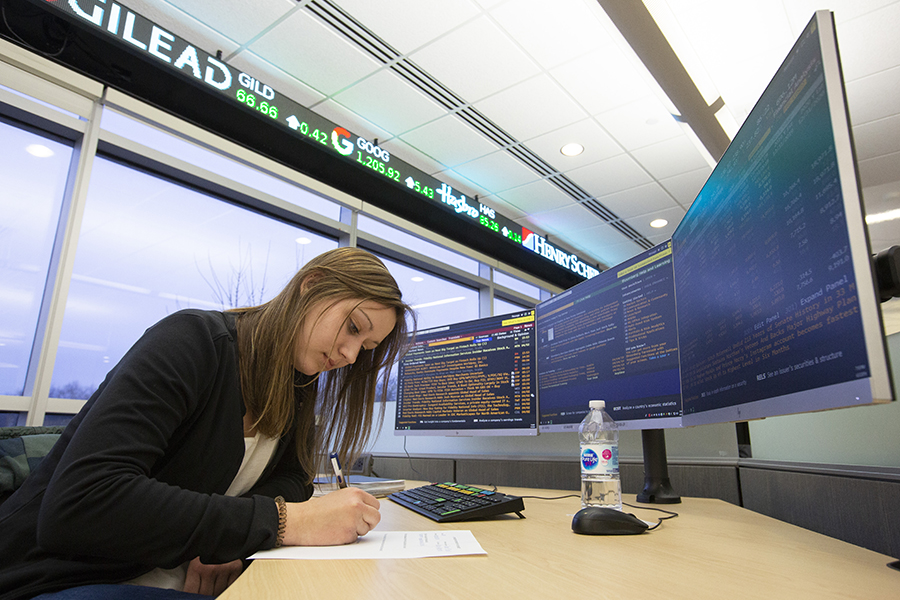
597 520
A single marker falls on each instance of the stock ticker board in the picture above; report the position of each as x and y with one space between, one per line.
140 35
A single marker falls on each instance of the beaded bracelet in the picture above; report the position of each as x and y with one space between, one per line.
282 520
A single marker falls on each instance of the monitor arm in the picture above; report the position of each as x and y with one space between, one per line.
886 265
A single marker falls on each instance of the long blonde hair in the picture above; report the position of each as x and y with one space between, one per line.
343 398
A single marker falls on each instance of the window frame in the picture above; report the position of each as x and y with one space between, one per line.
49 99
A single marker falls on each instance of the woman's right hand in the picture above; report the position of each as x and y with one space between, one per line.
330 520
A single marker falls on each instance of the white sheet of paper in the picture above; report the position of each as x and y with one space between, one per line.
385 544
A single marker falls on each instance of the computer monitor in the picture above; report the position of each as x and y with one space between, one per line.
471 378
613 338
777 307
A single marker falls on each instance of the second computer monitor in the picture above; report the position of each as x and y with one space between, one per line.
613 338
471 378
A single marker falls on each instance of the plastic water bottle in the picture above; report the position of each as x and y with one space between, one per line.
599 437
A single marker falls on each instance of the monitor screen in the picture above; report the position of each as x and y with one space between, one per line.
613 338
777 308
471 378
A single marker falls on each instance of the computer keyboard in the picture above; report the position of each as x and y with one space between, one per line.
448 502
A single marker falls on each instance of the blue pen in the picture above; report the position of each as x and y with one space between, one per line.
339 475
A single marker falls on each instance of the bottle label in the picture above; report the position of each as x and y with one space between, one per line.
599 459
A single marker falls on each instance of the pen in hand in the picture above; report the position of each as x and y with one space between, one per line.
339 475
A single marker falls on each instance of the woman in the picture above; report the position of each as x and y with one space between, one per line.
200 446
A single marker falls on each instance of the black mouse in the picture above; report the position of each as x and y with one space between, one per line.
597 520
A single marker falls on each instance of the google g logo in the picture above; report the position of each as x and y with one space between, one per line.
340 142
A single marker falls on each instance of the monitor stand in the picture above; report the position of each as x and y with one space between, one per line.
657 488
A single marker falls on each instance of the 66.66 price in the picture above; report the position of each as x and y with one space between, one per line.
263 106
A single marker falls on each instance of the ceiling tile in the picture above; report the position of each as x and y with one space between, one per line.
488 4
869 44
598 145
640 200
242 21
740 60
642 224
353 122
551 32
880 170
604 244
671 157
610 176
874 97
563 222
177 22
531 108
745 82
640 123
601 80
882 198
275 78
409 24
450 141
656 240
397 147
537 196
314 53
617 253
475 60
879 199
877 138
685 187
799 12
883 236
379 96
497 171
505 208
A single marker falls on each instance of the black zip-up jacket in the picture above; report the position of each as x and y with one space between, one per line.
137 479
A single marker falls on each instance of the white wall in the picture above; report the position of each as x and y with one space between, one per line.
708 441
863 435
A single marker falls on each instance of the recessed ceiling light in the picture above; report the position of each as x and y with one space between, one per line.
417 279
573 149
658 223
39 150
303 241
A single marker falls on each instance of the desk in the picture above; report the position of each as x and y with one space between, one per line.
712 550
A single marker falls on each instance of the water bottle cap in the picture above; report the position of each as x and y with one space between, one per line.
598 404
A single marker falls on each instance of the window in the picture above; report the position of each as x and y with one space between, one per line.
514 283
149 247
436 301
417 244
502 307
195 155
33 171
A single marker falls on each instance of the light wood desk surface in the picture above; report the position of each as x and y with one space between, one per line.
712 550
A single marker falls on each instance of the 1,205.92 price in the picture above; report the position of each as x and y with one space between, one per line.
250 100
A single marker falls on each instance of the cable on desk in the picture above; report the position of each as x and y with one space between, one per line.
671 514
553 498
408 457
